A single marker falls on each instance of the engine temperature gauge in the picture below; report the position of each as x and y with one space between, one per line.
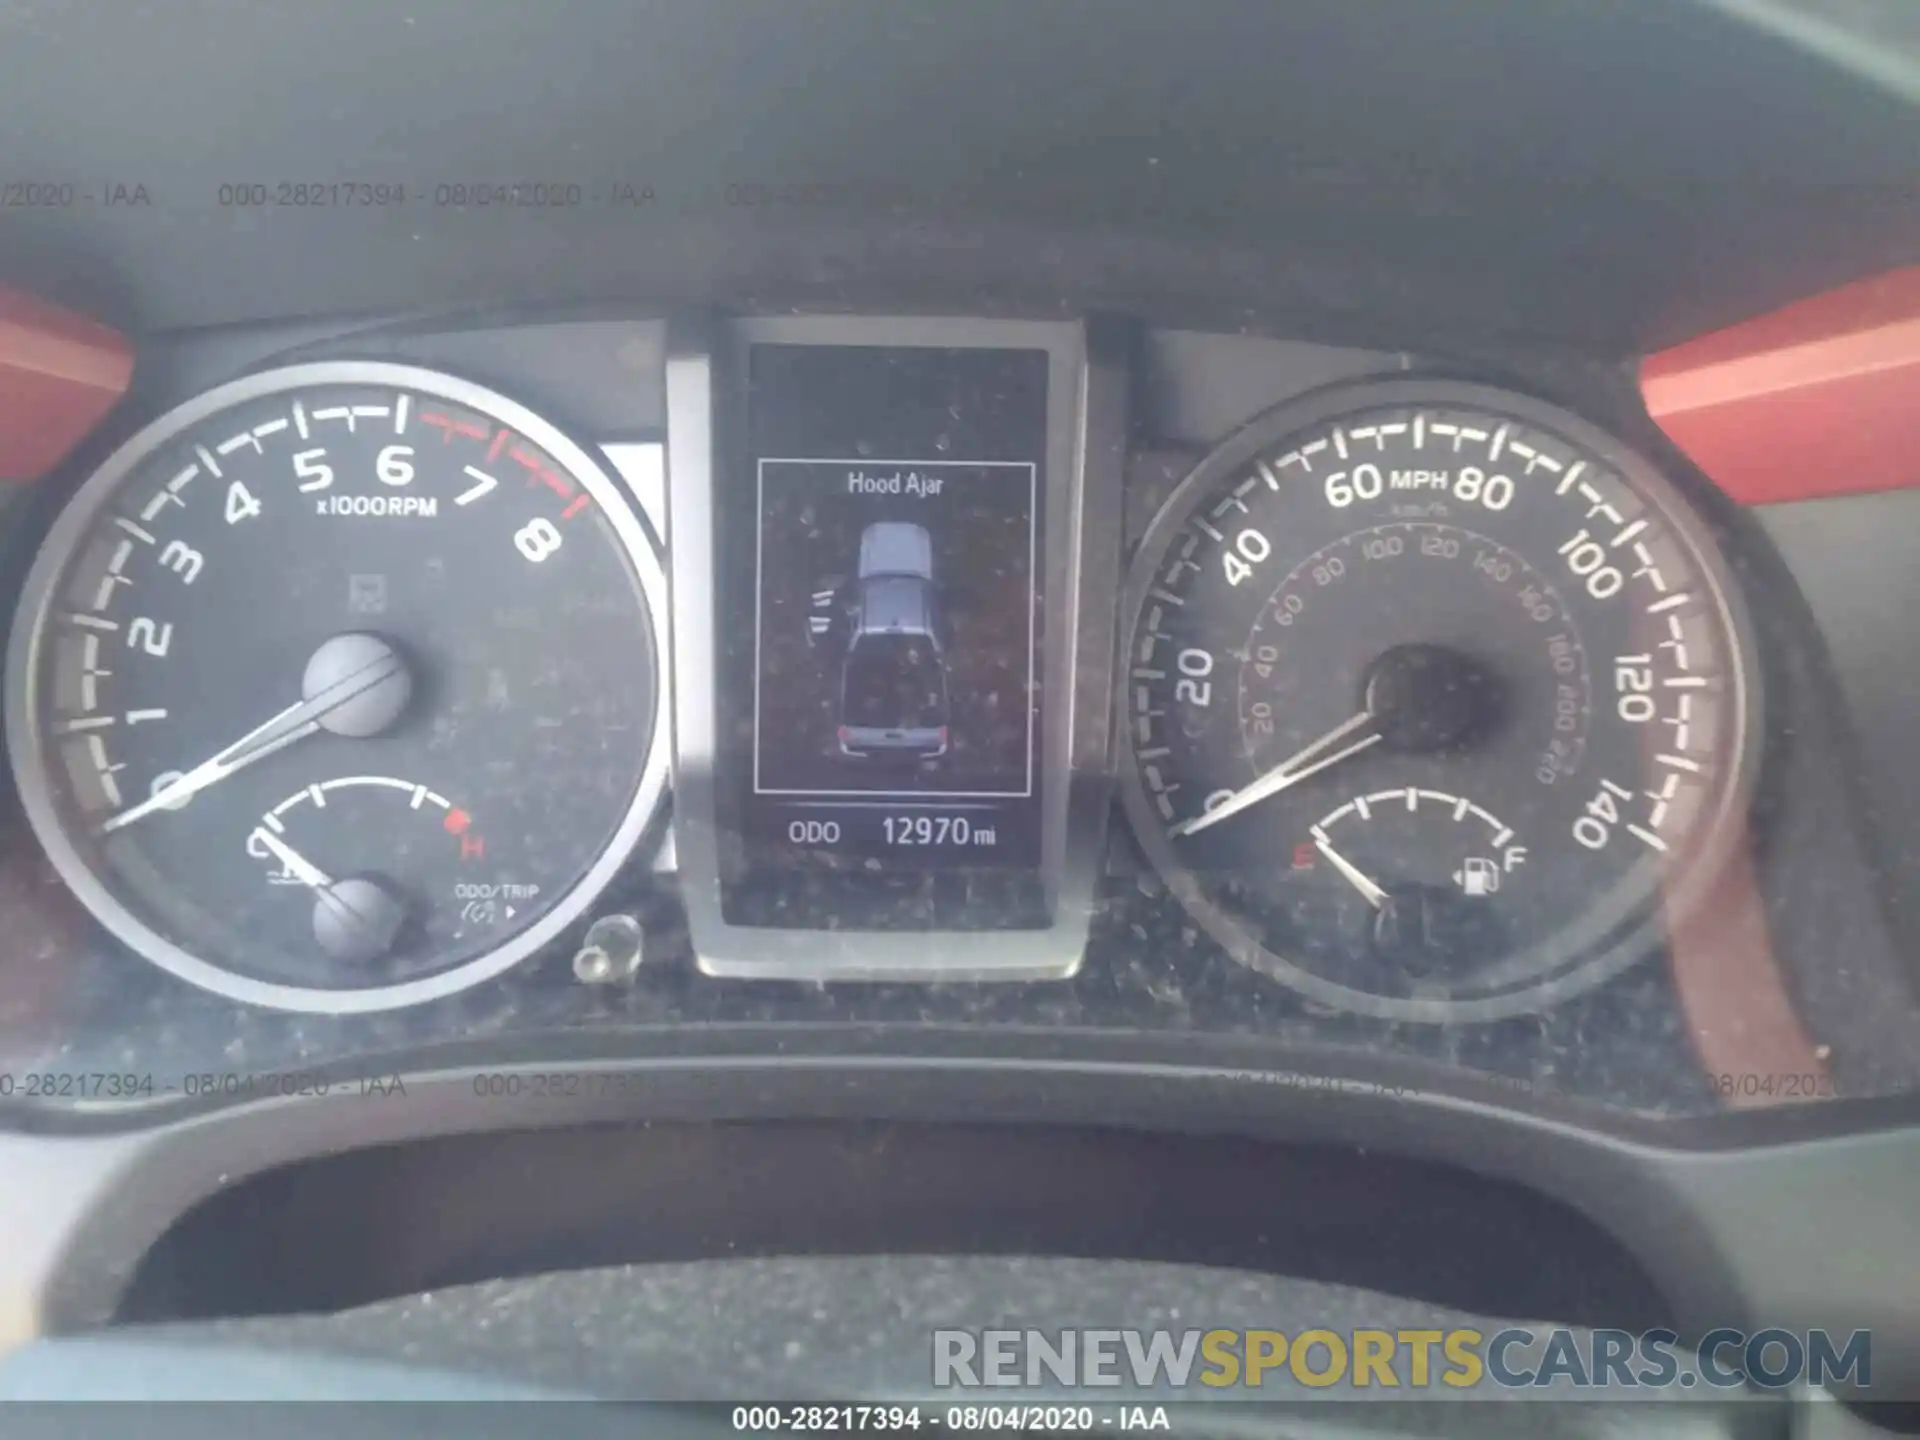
387 863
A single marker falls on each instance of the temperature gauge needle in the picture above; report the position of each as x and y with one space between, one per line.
296 864
356 919
1352 873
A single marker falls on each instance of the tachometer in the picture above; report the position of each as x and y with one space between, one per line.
337 688
1434 691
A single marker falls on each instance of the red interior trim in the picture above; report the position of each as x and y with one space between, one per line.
1819 399
1745 1030
59 376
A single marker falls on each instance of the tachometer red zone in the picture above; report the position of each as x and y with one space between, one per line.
539 471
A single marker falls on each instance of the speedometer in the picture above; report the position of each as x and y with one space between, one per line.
1436 697
337 687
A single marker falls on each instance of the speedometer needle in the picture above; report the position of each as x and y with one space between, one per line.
1287 773
344 669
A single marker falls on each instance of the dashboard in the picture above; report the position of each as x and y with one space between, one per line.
801 652
355 702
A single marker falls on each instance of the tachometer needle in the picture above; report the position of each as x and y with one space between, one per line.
1352 873
1288 772
377 666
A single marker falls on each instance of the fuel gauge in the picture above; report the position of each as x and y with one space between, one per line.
1428 865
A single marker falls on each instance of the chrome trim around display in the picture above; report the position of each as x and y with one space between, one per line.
1086 394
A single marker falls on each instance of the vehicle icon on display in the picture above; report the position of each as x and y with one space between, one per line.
893 683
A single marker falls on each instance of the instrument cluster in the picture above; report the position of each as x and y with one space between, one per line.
886 673
338 687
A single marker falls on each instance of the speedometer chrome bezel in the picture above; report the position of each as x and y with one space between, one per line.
27 745
1630 937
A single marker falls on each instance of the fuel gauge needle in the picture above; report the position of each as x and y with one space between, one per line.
1350 872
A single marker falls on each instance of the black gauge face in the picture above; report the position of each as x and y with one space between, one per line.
1436 695
336 688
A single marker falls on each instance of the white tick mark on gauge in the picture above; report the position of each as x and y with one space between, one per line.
97 751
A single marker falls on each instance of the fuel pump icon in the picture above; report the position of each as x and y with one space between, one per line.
1477 875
